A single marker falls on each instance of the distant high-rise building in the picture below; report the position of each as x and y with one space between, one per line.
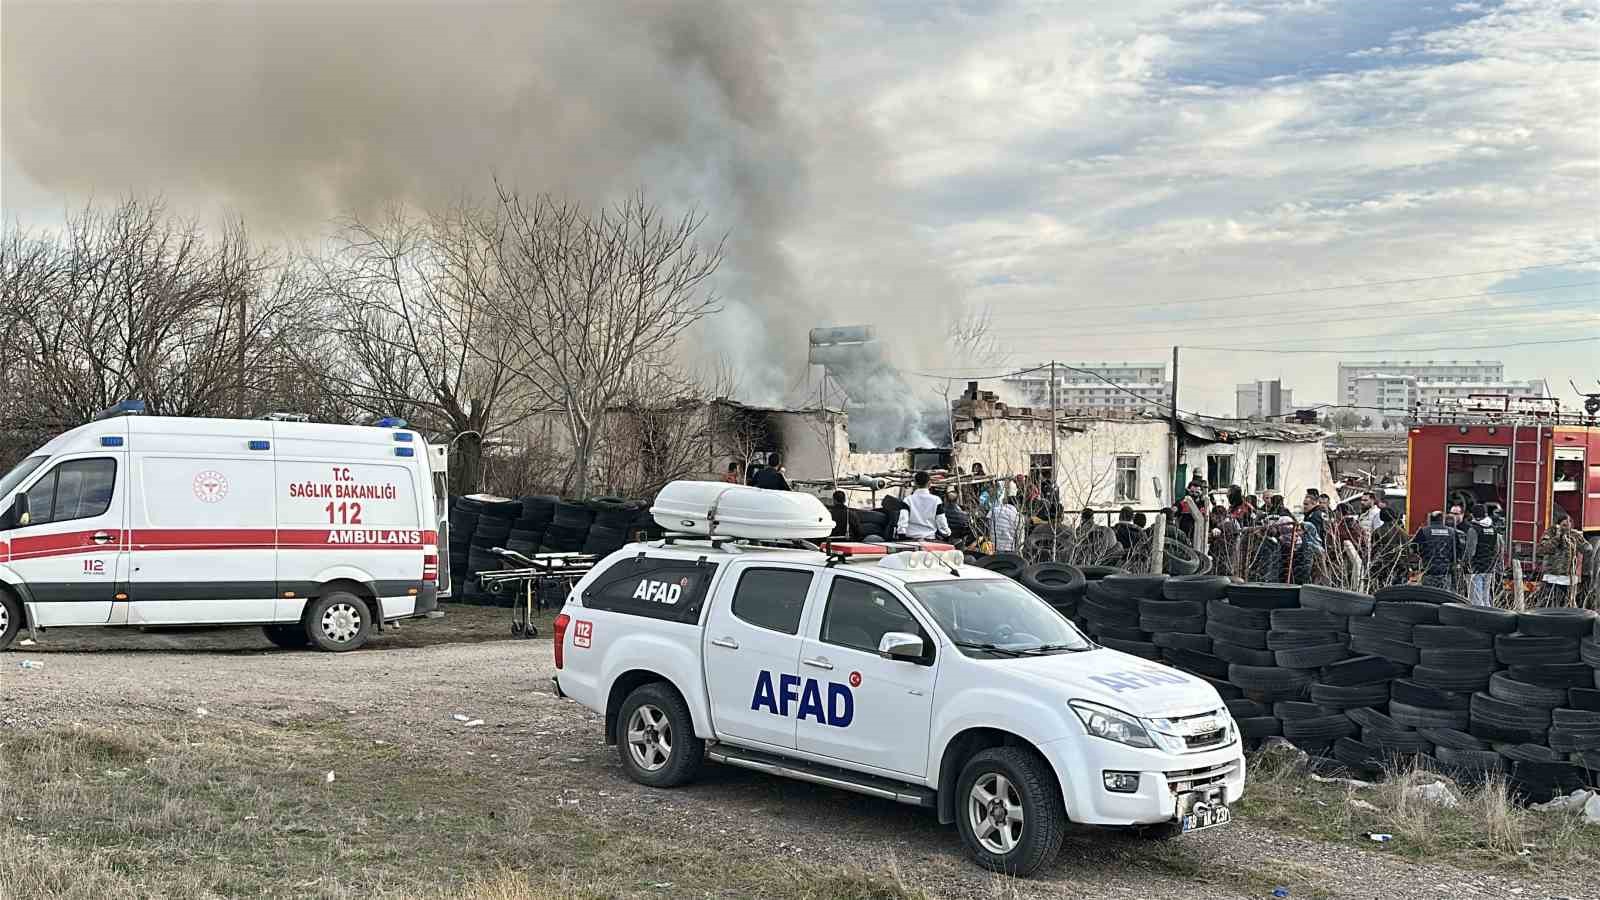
1263 398
1099 387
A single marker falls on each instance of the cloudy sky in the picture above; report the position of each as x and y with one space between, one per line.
1361 179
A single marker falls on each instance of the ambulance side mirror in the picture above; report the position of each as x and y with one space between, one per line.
13 516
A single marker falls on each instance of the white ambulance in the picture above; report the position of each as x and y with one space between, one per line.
318 533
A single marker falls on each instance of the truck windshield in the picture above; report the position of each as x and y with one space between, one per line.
997 617
18 472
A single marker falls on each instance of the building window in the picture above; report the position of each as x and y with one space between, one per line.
1039 467
1219 470
1267 472
1127 479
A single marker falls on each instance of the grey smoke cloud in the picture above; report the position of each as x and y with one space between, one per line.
289 113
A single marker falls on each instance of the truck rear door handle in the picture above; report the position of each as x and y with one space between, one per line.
728 642
101 537
820 662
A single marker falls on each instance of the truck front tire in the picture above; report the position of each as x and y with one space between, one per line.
338 621
656 739
10 617
1009 810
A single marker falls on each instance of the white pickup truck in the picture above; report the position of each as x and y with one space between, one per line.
902 675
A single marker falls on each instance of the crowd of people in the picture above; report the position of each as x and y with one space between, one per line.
1256 538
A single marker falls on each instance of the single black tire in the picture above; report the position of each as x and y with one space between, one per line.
1535 649
1264 596
1387 629
1133 587
1409 692
1296 640
1584 719
1453 739
289 637
1246 709
1270 681
1490 710
10 618
1117 632
1584 698
1369 718
1244 656
1347 697
1200 643
1558 621
1225 613
1416 593
1404 740
1259 727
1358 758
1395 651
1054 580
1557 675
1589 652
1470 759
1487 619
1197 662
1225 689
1304 620
1362 670
1503 687
1451 680
1287 710
337 621
1311 657
1319 729
1415 612
1253 638
1423 717
656 739
1203 588
1161 607
1164 624
1571 740
1451 637
1527 753
1335 600
1453 658
999 778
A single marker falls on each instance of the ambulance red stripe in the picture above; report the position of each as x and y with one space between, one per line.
188 539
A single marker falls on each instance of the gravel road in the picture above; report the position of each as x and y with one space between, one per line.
545 748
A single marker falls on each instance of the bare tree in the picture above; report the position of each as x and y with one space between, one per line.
595 303
416 302
132 302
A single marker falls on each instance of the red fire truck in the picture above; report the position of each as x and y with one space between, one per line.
1525 455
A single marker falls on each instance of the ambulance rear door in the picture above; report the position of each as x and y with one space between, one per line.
350 507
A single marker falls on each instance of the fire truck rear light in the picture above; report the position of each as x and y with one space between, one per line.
560 637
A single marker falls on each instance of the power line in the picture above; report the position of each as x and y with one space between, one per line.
1387 304
1335 287
1311 351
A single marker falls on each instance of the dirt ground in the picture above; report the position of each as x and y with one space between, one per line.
404 694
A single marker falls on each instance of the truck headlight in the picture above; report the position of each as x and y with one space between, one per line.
1111 724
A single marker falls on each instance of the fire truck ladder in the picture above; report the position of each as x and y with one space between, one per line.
1526 475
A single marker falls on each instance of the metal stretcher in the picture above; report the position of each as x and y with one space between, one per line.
537 581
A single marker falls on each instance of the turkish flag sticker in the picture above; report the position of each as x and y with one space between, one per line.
855 679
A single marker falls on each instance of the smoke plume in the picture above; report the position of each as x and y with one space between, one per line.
290 113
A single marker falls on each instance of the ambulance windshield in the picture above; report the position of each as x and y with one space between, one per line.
998 613
18 473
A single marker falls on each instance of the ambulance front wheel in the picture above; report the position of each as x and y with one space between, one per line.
338 621
10 617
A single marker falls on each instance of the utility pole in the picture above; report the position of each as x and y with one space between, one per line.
1177 427
1055 434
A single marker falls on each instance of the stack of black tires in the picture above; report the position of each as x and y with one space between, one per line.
569 528
1177 623
528 532
612 526
1061 585
494 526
1113 607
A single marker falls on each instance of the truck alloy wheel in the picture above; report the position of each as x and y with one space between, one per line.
995 809
649 738
1010 811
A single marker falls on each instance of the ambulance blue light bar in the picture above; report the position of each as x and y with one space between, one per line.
403 437
404 451
260 445
111 440
125 408
391 422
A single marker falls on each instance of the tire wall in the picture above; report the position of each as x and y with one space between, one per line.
1411 676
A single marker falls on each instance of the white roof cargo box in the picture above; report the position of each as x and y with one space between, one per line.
733 510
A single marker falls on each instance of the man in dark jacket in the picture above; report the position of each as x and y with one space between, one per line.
1128 533
1482 555
846 521
1388 550
771 475
1440 547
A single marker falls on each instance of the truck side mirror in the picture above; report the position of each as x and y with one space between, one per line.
900 645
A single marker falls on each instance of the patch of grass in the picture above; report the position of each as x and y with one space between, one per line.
1486 830
208 809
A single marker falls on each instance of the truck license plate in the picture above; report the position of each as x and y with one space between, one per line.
1202 809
